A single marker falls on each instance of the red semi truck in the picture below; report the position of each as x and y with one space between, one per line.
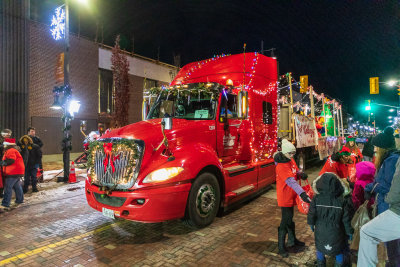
207 143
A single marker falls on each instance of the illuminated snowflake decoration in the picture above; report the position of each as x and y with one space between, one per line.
57 27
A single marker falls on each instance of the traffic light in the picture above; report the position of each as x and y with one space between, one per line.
374 85
368 105
303 84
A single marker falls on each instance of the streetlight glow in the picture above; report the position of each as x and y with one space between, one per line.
391 110
83 2
390 117
391 83
74 106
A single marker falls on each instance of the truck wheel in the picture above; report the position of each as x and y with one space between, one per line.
302 161
203 201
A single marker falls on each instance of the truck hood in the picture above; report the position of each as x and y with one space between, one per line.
150 131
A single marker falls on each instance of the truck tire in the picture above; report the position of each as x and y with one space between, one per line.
301 161
203 201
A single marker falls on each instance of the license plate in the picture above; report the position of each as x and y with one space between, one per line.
108 213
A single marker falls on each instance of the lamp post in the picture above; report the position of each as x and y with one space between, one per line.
60 29
67 140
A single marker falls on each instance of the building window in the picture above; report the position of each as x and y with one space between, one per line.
149 83
267 112
106 102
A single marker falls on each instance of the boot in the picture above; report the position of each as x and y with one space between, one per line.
292 240
321 263
281 242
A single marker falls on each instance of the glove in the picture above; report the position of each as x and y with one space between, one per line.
350 237
303 176
312 228
367 195
305 197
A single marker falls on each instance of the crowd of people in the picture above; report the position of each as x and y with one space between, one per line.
348 179
19 164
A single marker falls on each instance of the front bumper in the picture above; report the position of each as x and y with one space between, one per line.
160 204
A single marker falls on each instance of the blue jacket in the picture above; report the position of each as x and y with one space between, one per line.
384 179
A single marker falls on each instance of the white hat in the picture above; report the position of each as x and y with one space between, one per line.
287 147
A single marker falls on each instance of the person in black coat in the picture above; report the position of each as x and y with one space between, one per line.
330 218
368 150
32 134
32 155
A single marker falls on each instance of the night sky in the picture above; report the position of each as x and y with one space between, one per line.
339 44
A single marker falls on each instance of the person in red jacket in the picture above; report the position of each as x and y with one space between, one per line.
287 189
13 168
338 163
356 154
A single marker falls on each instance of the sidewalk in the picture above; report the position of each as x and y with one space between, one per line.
55 161
53 167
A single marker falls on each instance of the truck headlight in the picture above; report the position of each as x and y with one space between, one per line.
162 174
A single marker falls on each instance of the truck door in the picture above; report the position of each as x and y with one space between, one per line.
228 126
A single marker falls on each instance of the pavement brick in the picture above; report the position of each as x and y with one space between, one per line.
81 236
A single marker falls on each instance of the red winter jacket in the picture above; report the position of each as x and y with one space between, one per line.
285 168
336 167
17 168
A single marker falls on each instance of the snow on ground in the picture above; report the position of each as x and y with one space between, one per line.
51 190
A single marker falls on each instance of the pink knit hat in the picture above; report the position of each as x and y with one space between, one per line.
365 170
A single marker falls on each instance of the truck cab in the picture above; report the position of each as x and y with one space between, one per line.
207 142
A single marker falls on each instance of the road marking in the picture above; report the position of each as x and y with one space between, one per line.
50 246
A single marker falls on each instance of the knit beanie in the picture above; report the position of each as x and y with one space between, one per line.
385 139
350 138
287 147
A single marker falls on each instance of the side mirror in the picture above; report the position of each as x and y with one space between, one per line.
242 104
167 122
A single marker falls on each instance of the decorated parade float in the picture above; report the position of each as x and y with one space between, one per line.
312 121
206 142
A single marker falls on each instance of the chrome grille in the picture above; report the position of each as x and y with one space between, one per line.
123 176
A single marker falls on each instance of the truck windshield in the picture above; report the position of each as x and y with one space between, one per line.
192 103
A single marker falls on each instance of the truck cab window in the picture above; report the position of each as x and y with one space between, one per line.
228 106
188 105
267 112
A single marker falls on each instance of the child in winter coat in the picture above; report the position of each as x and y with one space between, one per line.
365 172
329 217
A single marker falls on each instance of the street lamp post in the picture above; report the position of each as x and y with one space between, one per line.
67 121
60 24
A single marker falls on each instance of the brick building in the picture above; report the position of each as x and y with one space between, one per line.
90 79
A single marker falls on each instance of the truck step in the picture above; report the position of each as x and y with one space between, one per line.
243 189
236 168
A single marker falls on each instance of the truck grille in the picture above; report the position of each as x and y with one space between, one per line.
117 169
110 201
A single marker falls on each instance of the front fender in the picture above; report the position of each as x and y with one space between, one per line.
200 155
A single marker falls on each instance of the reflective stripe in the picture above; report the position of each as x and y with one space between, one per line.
329 206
